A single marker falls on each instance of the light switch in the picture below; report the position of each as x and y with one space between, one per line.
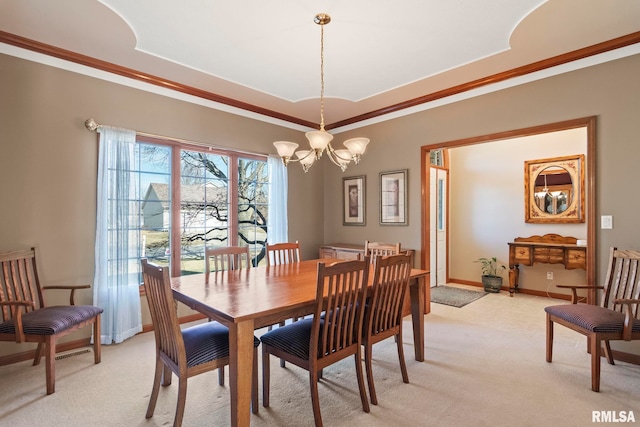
606 222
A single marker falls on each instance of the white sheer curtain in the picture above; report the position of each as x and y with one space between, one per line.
278 224
116 286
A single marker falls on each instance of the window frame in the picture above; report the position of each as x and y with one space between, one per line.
176 148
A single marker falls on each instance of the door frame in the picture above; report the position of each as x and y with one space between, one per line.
590 190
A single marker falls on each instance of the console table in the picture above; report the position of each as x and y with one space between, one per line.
549 249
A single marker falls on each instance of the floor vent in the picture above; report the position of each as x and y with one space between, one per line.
75 353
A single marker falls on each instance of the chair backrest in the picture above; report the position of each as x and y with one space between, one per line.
164 316
19 281
283 253
374 249
226 258
390 284
622 280
340 299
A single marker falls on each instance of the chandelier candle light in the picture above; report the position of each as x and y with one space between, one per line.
320 140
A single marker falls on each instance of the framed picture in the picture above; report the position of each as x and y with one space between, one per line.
393 197
353 200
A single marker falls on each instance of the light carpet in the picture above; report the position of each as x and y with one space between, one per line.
484 366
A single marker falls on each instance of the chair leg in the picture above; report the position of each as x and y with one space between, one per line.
166 376
595 364
97 344
608 353
367 361
50 360
157 378
266 374
221 375
403 363
39 352
363 391
182 400
549 338
315 398
254 382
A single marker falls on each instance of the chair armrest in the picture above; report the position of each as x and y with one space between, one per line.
16 314
71 288
628 316
574 290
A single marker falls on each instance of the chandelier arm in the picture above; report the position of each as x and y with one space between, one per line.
332 156
336 155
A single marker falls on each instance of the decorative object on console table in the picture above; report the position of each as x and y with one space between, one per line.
491 280
393 198
548 249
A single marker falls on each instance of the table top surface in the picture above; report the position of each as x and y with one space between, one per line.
555 245
255 292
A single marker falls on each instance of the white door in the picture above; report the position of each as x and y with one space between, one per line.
438 226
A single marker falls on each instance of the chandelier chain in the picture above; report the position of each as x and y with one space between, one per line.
322 77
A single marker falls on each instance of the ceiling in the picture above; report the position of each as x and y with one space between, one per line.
264 57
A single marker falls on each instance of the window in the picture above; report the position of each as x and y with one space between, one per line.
208 198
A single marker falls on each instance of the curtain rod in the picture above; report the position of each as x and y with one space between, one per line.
93 126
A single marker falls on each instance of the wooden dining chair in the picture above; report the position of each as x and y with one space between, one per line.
616 318
24 316
332 334
184 352
226 258
383 312
283 253
374 249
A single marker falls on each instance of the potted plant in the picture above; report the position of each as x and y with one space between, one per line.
491 278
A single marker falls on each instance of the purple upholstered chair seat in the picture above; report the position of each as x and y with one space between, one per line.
206 342
590 317
52 320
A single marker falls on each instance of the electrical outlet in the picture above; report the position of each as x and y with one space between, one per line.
549 275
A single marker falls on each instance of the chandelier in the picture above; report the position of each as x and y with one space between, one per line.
320 140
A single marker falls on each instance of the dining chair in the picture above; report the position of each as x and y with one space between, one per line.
616 318
332 334
184 352
24 316
383 312
373 249
283 253
226 258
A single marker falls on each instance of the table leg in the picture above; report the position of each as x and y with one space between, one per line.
240 371
514 277
416 293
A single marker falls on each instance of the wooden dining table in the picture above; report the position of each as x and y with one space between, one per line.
248 299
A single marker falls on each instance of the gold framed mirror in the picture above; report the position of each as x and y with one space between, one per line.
554 190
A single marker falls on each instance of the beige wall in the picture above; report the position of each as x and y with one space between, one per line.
609 91
48 161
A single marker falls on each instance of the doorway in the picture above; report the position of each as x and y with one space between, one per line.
438 224
430 253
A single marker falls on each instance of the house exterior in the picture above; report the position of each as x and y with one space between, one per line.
193 211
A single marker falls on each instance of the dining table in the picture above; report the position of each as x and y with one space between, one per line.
248 299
